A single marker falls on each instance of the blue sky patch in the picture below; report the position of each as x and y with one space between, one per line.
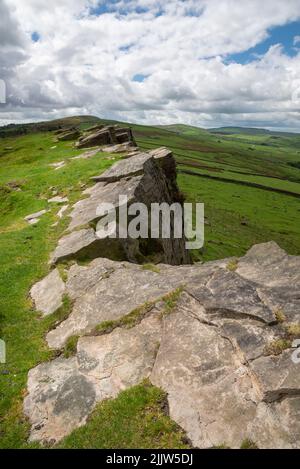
112 6
35 37
284 35
139 77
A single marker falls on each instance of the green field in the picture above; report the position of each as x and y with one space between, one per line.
250 185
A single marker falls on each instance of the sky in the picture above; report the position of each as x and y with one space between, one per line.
207 63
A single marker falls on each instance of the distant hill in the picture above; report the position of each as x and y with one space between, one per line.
46 126
184 129
249 131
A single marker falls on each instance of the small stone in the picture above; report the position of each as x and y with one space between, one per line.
35 216
58 165
62 211
58 200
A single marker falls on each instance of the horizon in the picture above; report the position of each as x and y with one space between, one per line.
160 125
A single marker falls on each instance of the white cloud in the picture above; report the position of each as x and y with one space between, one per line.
85 64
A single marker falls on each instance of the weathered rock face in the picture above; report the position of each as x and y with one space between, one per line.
146 178
105 135
209 350
68 135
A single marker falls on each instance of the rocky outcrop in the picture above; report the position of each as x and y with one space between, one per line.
68 135
146 178
106 135
200 332
216 337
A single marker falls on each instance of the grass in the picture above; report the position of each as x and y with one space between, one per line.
70 347
151 267
24 254
277 346
137 315
232 265
128 321
280 316
170 301
258 159
136 419
248 444
293 330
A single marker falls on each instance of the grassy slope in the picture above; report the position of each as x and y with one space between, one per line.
237 217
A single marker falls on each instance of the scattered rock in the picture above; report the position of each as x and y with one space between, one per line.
62 211
48 293
58 200
87 154
35 217
58 165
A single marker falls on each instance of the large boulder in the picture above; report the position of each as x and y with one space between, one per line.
144 178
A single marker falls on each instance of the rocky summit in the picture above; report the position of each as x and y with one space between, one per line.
217 337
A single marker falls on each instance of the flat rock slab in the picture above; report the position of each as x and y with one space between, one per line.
89 209
105 300
62 393
73 244
48 293
126 168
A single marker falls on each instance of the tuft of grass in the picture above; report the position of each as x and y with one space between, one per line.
232 265
293 330
276 347
138 314
248 444
221 446
171 300
62 272
135 419
280 316
70 347
128 321
151 267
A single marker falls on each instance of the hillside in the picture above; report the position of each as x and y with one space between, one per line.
251 193
249 131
